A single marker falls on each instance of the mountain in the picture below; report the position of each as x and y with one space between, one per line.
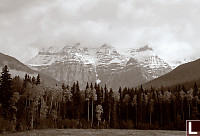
17 68
185 73
105 65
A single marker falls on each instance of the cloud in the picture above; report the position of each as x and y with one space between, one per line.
169 27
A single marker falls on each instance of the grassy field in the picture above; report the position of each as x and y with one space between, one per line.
97 132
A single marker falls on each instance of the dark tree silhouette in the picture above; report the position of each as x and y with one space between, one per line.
5 90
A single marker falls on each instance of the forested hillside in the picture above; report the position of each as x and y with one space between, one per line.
17 68
27 104
183 74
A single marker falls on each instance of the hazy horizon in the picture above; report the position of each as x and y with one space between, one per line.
171 28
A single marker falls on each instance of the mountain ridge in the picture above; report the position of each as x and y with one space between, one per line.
17 68
102 65
182 74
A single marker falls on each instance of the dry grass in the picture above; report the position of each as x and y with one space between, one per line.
97 132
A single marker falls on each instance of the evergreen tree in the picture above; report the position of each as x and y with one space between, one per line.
195 92
33 80
183 88
113 115
87 86
5 90
120 92
134 104
87 98
99 94
126 101
77 87
120 102
63 86
77 102
106 105
91 86
38 79
5 79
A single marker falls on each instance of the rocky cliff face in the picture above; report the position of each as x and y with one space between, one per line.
124 67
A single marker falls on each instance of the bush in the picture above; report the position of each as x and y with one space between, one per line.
46 123
85 124
128 125
5 126
70 123
21 125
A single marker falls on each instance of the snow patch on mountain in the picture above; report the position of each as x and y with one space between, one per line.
104 55
99 63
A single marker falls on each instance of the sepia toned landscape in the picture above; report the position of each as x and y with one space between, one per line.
95 67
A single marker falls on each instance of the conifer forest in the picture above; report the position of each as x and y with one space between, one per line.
26 104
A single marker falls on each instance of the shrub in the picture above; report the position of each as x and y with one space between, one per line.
85 124
5 126
70 123
128 125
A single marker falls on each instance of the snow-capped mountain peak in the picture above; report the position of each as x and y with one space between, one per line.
71 63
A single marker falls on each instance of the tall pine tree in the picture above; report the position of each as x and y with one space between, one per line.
38 80
5 90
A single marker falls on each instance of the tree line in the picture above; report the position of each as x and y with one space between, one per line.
27 104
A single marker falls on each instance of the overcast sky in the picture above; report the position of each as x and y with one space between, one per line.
170 27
